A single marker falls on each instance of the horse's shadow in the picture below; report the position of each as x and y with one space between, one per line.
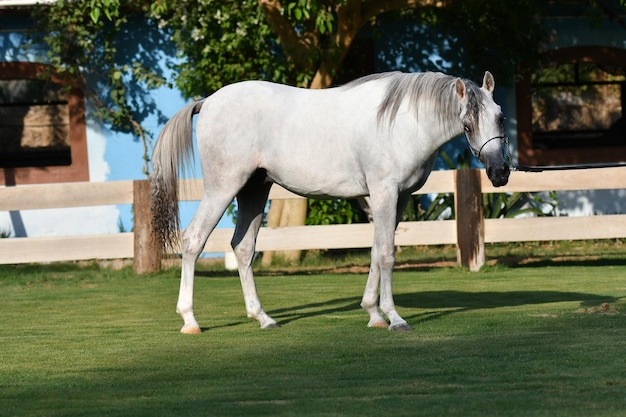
442 303
287 315
338 305
545 262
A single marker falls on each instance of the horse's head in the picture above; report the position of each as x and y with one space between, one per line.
482 121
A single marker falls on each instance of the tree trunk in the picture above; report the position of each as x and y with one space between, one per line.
351 18
285 213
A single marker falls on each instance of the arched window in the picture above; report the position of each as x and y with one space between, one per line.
42 127
572 110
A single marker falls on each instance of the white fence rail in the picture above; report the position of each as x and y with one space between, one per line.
469 223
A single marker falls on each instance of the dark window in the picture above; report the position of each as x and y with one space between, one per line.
34 124
578 106
572 111
42 127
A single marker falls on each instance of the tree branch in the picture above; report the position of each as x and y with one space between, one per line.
352 15
374 8
349 22
299 47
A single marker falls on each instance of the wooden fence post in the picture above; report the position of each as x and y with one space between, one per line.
470 222
147 253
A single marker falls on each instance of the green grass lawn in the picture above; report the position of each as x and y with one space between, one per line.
526 340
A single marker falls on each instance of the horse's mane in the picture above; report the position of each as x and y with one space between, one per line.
432 88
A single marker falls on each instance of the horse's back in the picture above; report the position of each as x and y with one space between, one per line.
258 110
307 140
313 142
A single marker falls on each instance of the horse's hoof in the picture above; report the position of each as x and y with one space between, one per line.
402 327
272 325
191 330
378 325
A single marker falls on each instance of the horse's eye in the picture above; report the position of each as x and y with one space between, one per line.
466 128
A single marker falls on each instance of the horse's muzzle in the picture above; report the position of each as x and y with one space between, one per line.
499 176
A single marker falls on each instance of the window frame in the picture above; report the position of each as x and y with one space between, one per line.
78 169
527 154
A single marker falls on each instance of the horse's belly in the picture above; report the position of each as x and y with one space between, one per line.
315 165
313 187
318 182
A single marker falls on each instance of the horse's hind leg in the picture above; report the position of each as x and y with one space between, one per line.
194 237
251 204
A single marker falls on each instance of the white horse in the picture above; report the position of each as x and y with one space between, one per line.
376 136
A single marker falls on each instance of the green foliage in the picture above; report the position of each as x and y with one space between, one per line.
83 47
317 14
336 211
233 212
473 35
509 205
221 42
505 35
495 205
110 8
440 208
463 160
442 205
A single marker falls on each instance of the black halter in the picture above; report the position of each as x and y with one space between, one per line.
505 141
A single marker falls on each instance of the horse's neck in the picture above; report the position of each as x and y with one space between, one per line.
434 134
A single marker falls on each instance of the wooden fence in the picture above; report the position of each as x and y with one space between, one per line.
469 232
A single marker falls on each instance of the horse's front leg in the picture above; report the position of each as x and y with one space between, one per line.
370 295
386 217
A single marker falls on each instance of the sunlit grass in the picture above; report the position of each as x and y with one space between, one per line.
525 340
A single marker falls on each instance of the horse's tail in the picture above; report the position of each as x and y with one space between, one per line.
172 154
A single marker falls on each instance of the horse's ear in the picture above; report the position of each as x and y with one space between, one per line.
488 82
460 89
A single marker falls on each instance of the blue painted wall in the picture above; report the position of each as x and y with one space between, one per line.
115 156
112 155
407 47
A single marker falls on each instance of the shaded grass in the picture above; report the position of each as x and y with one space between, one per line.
577 252
503 342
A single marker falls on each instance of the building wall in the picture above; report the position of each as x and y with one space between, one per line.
565 31
115 156
412 48
112 156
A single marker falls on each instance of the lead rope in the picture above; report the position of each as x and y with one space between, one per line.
509 154
531 168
